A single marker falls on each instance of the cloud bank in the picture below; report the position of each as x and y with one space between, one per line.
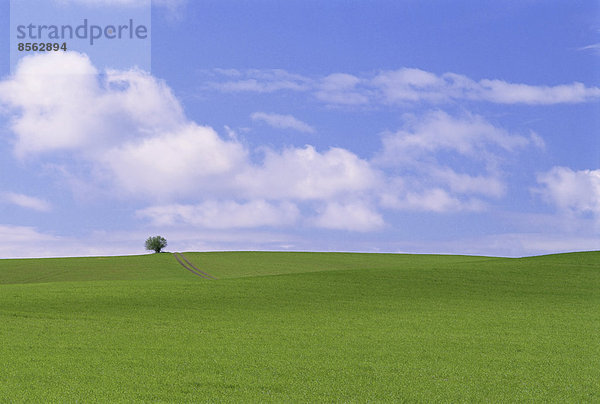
125 134
406 85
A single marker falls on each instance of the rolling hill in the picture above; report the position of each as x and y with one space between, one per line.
301 327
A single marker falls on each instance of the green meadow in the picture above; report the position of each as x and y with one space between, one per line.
301 327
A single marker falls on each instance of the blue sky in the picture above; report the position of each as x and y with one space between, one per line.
376 126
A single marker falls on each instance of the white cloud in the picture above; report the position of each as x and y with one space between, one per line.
501 92
353 216
306 174
572 191
189 160
411 85
404 86
52 109
61 103
138 96
470 136
428 178
196 161
282 121
224 214
25 201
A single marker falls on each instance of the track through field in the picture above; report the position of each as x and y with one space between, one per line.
190 267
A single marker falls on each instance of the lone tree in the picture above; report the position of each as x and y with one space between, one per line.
156 243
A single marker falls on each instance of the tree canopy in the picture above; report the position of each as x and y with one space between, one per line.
156 243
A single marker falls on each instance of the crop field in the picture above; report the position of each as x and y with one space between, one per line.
301 327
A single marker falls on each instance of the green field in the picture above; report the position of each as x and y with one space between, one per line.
301 327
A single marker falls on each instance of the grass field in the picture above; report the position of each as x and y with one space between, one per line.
301 327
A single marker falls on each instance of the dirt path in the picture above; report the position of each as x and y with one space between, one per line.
190 267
